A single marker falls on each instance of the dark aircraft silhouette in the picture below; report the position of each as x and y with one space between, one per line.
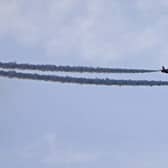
164 70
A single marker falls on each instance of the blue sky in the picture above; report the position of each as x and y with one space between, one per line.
54 125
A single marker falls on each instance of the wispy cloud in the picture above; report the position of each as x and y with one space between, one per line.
92 29
51 152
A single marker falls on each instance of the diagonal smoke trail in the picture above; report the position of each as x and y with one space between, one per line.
80 69
67 79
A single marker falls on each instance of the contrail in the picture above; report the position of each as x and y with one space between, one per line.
89 81
79 69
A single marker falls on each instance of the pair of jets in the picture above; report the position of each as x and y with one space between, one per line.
164 70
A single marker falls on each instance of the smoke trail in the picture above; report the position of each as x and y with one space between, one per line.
67 79
80 69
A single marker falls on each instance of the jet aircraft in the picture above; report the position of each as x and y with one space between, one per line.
164 70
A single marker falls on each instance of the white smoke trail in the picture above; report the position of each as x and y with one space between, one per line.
68 79
80 69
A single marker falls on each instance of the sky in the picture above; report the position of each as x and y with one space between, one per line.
44 124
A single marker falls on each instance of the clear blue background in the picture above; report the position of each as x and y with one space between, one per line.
64 125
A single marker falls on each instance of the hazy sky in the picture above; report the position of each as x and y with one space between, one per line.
70 126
